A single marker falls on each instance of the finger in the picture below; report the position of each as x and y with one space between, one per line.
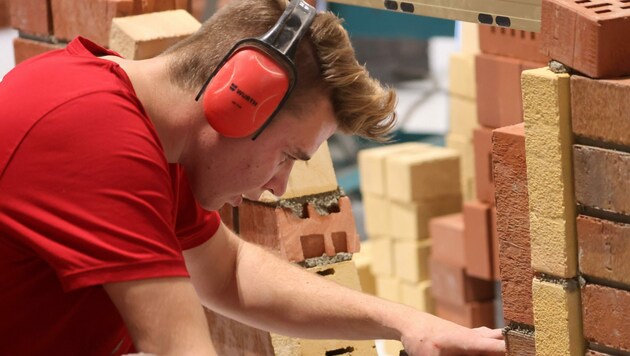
492 347
491 333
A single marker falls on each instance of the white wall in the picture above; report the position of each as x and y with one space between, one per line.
6 50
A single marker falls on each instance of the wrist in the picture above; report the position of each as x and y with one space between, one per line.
396 319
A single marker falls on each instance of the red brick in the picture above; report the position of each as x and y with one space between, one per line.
494 244
604 249
198 9
24 49
484 179
227 215
512 43
4 13
230 337
599 109
520 343
447 238
90 19
606 316
498 79
510 174
477 240
472 315
589 36
147 6
601 178
31 16
451 284
295 238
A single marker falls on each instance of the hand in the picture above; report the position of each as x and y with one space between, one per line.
436 336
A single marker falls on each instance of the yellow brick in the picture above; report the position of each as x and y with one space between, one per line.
344 273
469 37
327 347
392 347
363 262
316 175
372 165
461 75
376 213
557 319
388 288
427 174
146 36
285 345
410 221
463 145
417 295
469 189
411 260
382 256
548 142
463 116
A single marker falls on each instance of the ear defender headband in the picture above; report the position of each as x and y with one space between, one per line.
252 82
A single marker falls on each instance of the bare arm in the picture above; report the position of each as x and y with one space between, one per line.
259 289
163 316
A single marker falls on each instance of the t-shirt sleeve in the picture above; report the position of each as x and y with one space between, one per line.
92 194
194 225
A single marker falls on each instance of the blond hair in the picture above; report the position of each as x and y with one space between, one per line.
326 62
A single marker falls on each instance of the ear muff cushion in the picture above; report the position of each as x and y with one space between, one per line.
245 92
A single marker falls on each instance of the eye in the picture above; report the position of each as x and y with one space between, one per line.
286 157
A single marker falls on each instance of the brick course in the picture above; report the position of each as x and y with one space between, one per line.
447 235
477 240
598 109
587 35
601 178
520 343
484 180
90 19
604 249
452 285
510 173
511 43
606 316
33 17
24 49
296 238
548 140
557 318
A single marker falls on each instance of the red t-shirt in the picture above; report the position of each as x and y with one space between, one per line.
86 197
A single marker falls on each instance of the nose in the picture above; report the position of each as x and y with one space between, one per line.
277 185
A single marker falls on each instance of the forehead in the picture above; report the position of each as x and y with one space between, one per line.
303 128
307 129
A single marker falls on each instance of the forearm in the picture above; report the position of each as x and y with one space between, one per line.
275 295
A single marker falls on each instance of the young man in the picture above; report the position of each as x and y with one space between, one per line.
109 172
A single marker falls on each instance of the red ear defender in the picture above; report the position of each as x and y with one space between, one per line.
255 78
245 93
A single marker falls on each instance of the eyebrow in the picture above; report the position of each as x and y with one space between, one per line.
301 155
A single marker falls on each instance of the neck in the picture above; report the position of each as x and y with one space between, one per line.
169 107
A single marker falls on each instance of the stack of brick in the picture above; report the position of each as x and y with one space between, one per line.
505 54
459 297
512 206
403 186
578 124
463 106
311 225
46 25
